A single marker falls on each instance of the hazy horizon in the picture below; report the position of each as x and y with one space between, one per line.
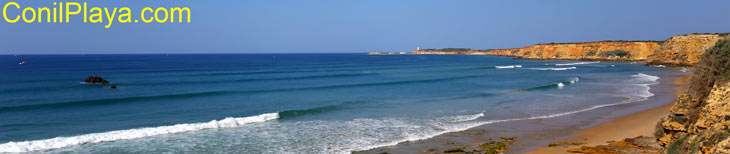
367 26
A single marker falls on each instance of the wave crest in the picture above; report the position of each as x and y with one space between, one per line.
578 63
60 142
509 66
554 69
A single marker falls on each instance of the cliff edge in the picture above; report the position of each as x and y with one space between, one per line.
699 121
681 50
603 50
684 50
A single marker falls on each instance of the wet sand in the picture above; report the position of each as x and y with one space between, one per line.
592 127
642 123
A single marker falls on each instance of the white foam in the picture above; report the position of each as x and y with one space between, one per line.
643 81
575 80
60 142
645 77
659 66
554 69
642 96
578 63
684 69
560 85
468 117
510 66
466 126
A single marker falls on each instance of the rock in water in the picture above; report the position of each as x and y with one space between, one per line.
114 86
96 79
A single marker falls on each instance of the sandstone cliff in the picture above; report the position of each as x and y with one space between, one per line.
608 50
700 119
678 50
684 49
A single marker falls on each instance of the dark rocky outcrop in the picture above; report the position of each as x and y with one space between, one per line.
96 79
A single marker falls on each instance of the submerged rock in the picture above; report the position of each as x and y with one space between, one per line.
96 79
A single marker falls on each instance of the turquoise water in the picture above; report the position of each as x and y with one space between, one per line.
287 103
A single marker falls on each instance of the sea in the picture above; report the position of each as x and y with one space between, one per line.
288 103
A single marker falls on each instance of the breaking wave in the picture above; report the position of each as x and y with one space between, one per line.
509 66
60 142
554 69
560 84
578 63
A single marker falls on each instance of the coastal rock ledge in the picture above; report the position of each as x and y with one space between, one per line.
96 79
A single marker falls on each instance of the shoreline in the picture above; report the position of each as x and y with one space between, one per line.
534 135
641 123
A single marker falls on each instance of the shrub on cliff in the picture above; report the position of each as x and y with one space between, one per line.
714 67
526 53
616 53
591 53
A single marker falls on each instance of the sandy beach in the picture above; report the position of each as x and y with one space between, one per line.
642 123
590 128
637 124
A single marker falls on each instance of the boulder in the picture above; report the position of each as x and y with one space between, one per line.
96 79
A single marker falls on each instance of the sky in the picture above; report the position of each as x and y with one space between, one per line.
347 26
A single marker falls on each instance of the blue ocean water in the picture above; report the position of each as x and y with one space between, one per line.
287 103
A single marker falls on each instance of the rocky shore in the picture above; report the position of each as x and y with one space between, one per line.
699 119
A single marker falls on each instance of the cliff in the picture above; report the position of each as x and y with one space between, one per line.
684 49
699 121
608 50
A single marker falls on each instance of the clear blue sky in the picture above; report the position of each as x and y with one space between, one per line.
263 26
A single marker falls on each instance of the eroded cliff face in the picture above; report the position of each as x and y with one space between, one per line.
696 126
684 49
608 50
699 122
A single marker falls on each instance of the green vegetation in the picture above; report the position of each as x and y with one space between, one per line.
717 138
514 52
526 53
680 119
616 53
507 139
678 146
591 53
493 147
720 34
714 67
538 54
679 57
454 150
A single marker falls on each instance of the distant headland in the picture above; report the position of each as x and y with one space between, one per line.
680 50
